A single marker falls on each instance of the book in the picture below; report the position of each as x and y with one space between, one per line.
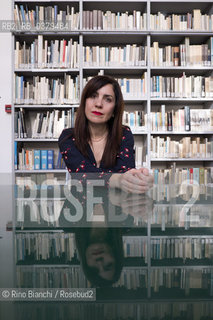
187 118
44 160
37 159
15 155
50 159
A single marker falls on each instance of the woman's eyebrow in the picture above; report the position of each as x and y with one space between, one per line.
108 95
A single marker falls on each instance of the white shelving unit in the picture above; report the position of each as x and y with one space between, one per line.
90 37
146 103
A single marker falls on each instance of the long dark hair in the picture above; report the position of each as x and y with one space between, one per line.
115 242
81 130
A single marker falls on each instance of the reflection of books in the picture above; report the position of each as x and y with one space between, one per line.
200 216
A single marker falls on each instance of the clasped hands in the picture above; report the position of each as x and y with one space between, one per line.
136 180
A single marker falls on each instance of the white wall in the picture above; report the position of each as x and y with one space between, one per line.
5 90
6 242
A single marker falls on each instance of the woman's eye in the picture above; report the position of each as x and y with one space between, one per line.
108 99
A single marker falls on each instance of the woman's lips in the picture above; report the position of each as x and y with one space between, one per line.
97 113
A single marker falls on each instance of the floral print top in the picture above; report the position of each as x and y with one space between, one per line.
78 163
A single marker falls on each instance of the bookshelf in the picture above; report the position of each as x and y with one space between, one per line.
146 55
159 75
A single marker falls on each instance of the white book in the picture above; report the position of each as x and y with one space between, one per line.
56 53
139 152
35 126
60 124
113 21
45 50
128 47
45 125
50 125
17 54
62 91
41 14
130 23
55 124
42 90
65 64
163 117
61 53
138 20
75 54
72 19
40 51
72 51
16 14
133 54
68 55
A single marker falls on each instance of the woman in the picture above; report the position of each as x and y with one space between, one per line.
101 254
99 143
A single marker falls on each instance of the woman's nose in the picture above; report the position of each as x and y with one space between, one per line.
98 102
99 259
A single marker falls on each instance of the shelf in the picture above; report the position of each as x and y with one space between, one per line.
43 1
32 266
74 104
138 132
183 267
41 171
180 236
36 140
179 159
181 133
184 1
169 262
181 231
191 100
51 33
133 98
45 70
115 68
46 106
113 32
180 33
193 69
122 1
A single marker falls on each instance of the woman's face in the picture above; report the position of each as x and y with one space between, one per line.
100 107
99 256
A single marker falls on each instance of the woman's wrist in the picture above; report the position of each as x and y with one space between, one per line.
115 180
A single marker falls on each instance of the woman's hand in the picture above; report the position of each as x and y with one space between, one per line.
138 206
136 180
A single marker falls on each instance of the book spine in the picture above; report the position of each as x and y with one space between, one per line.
44 161
187 118
37 159
50 159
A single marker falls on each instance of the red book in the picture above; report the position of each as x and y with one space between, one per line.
64 49
191 175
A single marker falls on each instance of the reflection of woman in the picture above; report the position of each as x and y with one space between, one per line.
99 143
101 254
